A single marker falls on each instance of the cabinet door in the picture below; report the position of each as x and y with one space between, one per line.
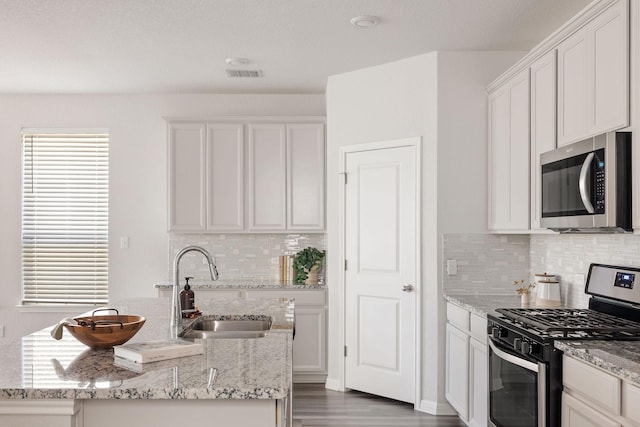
593 77
478 399
267 177
572 88
543 124
457 370
577 414
509 155
187 200
609 47
309 348
305 176
225 177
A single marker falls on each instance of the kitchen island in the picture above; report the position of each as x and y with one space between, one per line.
240 382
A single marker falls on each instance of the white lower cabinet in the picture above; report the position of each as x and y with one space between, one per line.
575 413
477 383
594 397
457 382
466 365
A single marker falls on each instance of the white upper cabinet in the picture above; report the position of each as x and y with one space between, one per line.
593 76
187 200
225 177
267 177
509 155
246 177
305 176
572 88
543 124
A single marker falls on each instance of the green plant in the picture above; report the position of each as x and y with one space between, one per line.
305 260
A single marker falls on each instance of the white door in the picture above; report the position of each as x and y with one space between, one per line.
380 276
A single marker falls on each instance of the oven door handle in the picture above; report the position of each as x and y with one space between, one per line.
584 170
513 359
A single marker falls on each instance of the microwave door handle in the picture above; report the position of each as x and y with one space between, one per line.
583 183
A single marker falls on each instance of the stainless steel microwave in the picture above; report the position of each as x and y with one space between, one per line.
586 186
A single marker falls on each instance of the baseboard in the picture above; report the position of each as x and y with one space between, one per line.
333 384
435 408
309 378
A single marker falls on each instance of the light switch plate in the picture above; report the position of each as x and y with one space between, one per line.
452 267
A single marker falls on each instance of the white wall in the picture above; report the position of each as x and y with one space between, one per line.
390 101
441 98
138 178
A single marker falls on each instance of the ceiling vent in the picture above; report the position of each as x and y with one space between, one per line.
244 73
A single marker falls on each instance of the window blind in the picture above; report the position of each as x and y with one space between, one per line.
65 218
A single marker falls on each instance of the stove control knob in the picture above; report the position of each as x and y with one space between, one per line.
517 343
525 348
498 332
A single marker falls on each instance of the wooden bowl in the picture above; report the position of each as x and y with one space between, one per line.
105 331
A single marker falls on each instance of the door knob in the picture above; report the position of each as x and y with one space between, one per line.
407 288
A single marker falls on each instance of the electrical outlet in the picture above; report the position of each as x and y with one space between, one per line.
452 267
124 242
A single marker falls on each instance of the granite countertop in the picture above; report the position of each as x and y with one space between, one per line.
483 304
620 358
242 284
39 367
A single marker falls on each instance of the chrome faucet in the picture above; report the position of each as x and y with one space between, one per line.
176 310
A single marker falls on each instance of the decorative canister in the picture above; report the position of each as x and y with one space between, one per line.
547 290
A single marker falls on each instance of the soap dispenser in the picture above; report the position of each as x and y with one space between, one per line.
187 298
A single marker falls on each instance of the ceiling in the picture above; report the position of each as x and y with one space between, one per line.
180 46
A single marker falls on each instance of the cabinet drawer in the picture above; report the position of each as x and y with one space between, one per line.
478 328
595 385
302 297
458 317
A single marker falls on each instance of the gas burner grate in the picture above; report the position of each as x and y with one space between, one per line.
584 322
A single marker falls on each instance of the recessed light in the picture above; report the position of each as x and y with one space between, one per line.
363 21
237 61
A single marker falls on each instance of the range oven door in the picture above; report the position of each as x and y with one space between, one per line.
517 389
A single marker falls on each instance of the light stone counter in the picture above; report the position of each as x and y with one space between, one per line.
621 358
483 304
239 284
39 367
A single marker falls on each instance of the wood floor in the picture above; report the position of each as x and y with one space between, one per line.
313 405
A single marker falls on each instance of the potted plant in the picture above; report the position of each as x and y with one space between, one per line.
523 290
307 263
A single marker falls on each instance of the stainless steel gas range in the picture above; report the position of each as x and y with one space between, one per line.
525 370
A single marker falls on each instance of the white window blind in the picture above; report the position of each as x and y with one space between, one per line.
65 218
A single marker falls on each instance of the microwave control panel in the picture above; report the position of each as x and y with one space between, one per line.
599 181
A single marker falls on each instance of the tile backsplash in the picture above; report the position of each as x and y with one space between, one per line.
486 263
569 256
239 256
490 263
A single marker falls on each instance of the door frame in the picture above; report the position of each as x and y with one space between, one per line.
341 313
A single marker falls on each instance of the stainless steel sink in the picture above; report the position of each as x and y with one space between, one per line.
212 328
